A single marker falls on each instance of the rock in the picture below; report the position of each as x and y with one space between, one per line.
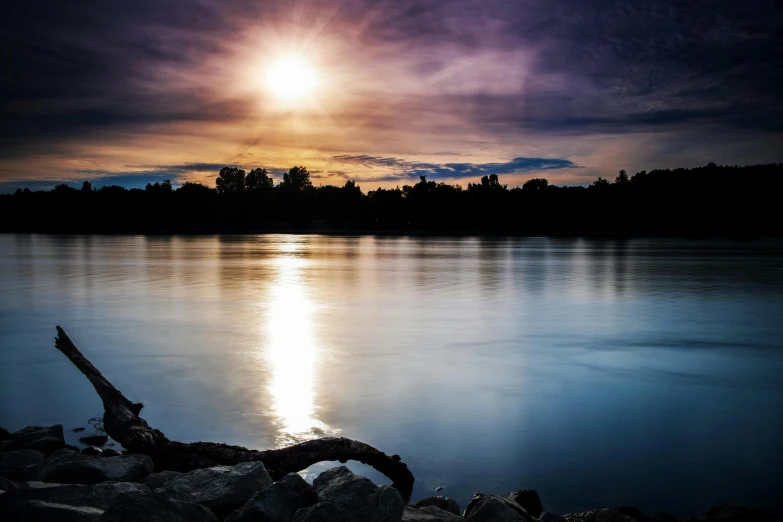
497 507
277 503
20 465
158 480
443 503
110 453
42 511
323 512
101 496
77 430
359 496
583 516
633 513
156 507
546 516
223 488
94 440
428 514
737 514
528 499
8 485
178 492
4 434
86 469
664 517
61 452
91 450
38 438
610 515
494 508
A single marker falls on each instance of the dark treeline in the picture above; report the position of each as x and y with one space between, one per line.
706 201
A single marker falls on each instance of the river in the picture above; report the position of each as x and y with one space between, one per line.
598 372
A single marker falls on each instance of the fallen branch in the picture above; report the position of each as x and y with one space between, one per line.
122 422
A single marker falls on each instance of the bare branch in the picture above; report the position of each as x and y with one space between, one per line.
123 424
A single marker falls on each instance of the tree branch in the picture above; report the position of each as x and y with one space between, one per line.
122 422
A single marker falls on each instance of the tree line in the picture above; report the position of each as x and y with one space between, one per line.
706 201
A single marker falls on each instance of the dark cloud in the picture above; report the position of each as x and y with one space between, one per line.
403 170
563 67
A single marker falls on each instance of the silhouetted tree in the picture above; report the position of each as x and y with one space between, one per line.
535 185
194 189
258 179
622 178
297 178
62 188
708 200
230 179
86 186
163 187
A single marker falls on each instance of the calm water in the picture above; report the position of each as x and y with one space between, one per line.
598 372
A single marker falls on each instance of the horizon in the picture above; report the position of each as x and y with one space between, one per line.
385 92
140 183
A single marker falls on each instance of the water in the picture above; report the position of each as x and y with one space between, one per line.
641 372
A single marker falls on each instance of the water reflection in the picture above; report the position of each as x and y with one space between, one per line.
599 372
293 351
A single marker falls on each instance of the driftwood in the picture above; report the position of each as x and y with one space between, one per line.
122 422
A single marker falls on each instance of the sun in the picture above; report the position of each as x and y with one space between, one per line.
291 78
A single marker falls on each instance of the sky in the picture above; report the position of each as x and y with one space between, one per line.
126 93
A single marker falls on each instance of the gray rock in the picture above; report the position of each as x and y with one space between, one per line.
223 488
101 496
94 440
91 450
359 496
610 515
443 503
8 485
179 492
61 452
38 438
528 499
546 516
156 507
158 480
86 469
4 434
429 514
20 465
494 508
110 453
582 516
42 511
323 512
633 513
277 503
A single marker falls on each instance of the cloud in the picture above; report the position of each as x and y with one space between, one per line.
404 170
414 75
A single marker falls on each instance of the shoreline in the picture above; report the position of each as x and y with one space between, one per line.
43 478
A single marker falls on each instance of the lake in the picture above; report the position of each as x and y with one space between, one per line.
598 372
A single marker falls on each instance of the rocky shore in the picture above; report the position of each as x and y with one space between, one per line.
44 479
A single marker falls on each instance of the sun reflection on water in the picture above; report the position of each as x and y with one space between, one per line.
293 354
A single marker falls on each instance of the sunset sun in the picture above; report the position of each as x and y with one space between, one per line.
291 78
